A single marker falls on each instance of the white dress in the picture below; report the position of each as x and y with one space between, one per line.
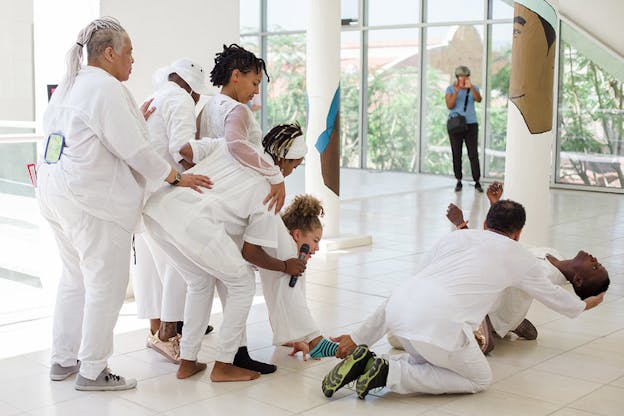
203 234
244 139
289 314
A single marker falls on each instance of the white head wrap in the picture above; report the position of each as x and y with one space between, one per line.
298 149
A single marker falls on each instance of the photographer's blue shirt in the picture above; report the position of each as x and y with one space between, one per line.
470 114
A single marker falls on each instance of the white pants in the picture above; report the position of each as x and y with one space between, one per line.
199 296
95 257
512 308
289 314
426 368
159 290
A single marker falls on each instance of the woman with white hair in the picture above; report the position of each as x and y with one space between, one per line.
203 234
91 186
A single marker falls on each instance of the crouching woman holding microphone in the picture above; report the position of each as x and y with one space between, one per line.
299 230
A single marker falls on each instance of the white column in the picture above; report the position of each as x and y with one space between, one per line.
530 115
527 175
323 83
322 166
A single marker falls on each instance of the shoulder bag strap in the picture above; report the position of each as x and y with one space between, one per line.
466 101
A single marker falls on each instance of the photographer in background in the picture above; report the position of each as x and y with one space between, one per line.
460 99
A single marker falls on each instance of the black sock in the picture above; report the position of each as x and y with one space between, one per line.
180 325
243 360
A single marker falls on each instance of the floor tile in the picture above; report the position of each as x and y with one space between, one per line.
607 401
544 386
574 368
496 403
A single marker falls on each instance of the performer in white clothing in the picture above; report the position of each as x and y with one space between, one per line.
239 73
170 125
434 314
202 235
91 184
290 317
509 314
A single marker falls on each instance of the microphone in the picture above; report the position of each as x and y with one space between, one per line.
303 252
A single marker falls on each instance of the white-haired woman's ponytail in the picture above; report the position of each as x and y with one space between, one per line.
95 37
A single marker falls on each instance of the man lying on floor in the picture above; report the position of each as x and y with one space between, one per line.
434 313
509 314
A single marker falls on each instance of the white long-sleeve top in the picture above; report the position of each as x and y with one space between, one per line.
173 123
225 117
209 228
463 276
107 155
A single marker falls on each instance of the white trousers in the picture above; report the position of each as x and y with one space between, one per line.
199 296
511 309
426 368
289 314
159 290
95 257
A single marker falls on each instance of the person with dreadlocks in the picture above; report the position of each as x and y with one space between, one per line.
239 73
202 236
91 187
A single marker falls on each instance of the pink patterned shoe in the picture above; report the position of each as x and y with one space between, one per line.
169 349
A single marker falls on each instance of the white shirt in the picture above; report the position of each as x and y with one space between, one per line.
107 156
173 123
462 278
209 227
550 271
225 117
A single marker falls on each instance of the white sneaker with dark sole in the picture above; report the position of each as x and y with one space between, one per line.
60 373
106 381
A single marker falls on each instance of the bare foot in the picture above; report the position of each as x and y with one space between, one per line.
228 372
189 368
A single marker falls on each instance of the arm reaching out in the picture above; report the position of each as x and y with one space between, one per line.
494 192
456 216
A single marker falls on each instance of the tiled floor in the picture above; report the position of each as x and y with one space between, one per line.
575 368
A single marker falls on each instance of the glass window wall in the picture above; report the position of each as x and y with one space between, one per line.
591 114
448 47
393 117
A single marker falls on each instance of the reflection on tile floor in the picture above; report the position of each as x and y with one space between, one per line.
574 368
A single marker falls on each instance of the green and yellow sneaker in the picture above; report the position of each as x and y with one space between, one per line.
347 370
376 376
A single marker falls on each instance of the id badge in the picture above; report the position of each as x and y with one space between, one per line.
54 148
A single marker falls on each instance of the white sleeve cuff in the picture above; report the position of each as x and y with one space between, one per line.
275 179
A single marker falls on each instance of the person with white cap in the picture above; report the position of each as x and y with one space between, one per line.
91 187
203 237
170 125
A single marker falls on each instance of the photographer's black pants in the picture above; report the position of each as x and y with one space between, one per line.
471 138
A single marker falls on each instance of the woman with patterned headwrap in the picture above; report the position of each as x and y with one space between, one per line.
202 236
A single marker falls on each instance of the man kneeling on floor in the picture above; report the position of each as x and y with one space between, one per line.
433 315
